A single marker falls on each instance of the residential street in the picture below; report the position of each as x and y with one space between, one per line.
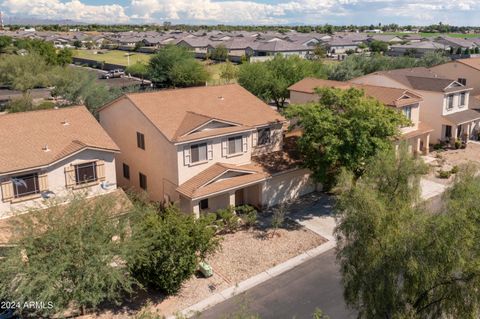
294 294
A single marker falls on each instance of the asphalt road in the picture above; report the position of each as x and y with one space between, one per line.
293 294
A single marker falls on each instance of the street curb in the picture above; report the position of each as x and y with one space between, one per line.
254 281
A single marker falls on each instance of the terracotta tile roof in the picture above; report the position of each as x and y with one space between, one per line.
389 96
422 129
463 116
471 62
24 135
168 109
205 184
421 79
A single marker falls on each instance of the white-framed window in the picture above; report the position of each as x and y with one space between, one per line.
463 98
235 144
198 152
407 111
450 102
264 137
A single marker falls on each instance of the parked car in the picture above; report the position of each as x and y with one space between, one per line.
117 73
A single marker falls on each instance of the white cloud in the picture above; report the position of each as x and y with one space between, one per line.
74 10
250 11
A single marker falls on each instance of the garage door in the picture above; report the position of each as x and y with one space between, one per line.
288 186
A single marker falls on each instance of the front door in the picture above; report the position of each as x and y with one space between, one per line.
239 197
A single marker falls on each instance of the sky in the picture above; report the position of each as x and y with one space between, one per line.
256 12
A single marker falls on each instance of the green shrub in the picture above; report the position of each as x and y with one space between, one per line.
248 215
167 246
444 174
437 147
227 220
454 170
457 144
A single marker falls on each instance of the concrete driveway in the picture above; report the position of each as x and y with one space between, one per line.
315 212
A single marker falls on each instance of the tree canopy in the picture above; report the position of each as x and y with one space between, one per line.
344 129
270 80
400 261
174 66
357 65
67 255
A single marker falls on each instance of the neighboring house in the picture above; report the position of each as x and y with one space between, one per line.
446 101
204 148
342 45
417 49
51 154
455 42
282 47
466 71
406 101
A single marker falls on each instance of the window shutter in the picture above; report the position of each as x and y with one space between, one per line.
254 138
224 147
210 151
245 144
100 170
70 176
186 155
7 190
43 181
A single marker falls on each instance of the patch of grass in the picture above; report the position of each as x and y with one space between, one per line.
214 69
113 56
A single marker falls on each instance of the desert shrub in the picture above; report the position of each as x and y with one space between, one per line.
227 220
167 245
444 174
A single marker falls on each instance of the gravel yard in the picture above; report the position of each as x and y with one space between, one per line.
242 255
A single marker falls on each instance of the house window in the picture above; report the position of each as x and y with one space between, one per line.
263 136
407 111
204 203
85 173
126 171
198 152
450 102
140 140
143 181
235 145
448 131
25 185
462 99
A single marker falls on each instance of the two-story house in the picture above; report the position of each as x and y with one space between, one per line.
445 105
417 135
49 155
204 148
467 72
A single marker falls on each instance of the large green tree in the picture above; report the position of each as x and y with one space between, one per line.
70 255
270 80
25 72
344 129
167 246
175 66
400 261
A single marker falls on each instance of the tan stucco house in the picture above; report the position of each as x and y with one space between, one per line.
406 101
50 155
204 148
446 102
465 71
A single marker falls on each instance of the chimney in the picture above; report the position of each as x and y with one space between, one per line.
45 148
